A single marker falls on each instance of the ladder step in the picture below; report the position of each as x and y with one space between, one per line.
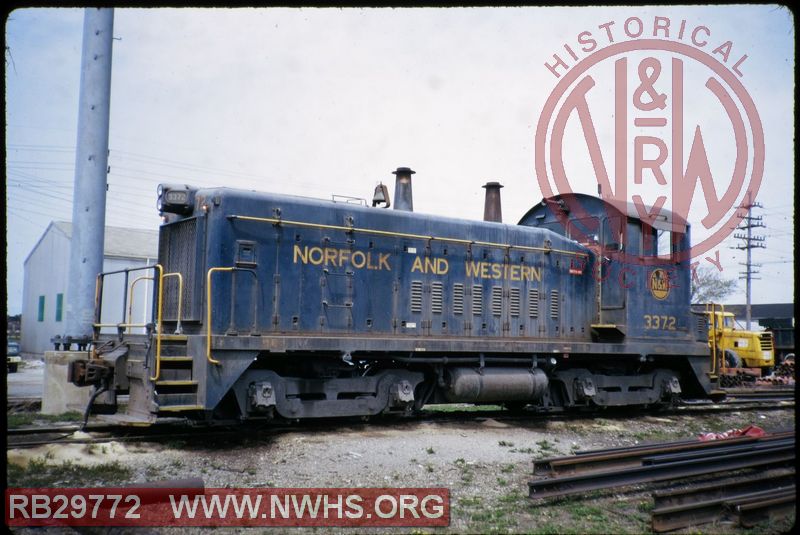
176 359
176 383
174 337
180 408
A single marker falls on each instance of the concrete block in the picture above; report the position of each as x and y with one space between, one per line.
59 395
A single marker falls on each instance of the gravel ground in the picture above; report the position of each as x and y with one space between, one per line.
485 462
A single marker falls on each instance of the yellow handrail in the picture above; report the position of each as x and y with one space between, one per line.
722 326
160 269
178 328
97 284
376 232
130 300
711 310
208 311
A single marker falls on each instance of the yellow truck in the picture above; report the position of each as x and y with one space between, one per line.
736 348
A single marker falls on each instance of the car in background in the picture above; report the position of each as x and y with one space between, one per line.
12 356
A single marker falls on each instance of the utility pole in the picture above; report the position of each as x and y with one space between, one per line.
91 169
750 242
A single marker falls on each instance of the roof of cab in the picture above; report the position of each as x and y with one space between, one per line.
661 219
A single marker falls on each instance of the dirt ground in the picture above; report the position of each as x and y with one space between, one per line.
485 461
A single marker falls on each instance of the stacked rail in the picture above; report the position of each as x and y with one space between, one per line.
744 479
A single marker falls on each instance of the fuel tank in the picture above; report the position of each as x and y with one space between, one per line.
468 385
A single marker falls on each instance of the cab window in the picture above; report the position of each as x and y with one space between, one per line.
585 231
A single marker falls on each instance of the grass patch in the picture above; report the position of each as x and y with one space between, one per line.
470 501
586 512
23 419
498 517
506 444
460 407
68 474
430 450
545 445
467 475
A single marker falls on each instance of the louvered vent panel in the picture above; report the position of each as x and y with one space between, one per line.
436 297
554 304
458 299
477 300
513 303
416 296
533 303
497 300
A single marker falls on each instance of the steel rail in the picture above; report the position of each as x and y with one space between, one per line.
761 393
753 512
632 456
570 485
723 450
705 511
721 488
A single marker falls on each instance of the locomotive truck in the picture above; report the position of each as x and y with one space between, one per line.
274 306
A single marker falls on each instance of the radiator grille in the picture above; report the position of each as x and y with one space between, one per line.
436 297
533 303
497 300
513 303
416 296
177 253
554 304
458 298
477 300
766 341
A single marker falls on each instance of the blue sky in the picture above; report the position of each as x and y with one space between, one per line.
329 101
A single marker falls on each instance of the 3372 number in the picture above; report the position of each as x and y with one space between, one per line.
664 323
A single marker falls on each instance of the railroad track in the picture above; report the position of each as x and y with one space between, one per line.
742 479
177 429
738 395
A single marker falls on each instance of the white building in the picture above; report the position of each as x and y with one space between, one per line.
44 298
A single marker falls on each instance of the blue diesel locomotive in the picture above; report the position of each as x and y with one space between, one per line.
273 306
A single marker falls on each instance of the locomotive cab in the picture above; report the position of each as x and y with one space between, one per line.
642 268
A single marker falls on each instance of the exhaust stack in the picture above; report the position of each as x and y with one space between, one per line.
403 199
492 210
